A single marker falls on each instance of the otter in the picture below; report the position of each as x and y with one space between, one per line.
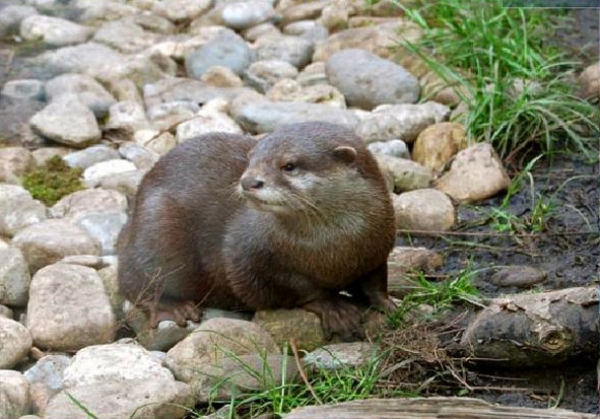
289 221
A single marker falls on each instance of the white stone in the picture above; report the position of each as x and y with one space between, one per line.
93 175
69 309
18 210
53 31
80 204
424 210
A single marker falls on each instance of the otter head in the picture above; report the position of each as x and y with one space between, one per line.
303 169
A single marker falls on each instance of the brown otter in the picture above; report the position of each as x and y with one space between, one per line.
223 221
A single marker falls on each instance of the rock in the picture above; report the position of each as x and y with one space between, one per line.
91 93
476 173
152 23
334 17
126 183
6 312
90 156
124 36
305 327
92 176
262 75
14 394
42 155
98 11
101 62
180 10
68 308
589 82
138 155
438 143
15 162
14 278
80 204
242 15
53 31
368 81
211 118
174 89
340 355
49 241
105 228
147 399
157 141
90 261
12 16
108 274
312 74
266 116
45 379
292 49
129 116
394 148
300 11
216 339
113 362
16 343
404 122
18 210
220 76
381 40
241 374
288 90
518 276
23 89
308 29
166 116
258 31
424 210
406 259
68 121
407 174
228 50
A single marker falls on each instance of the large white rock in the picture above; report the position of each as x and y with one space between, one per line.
16 342
51 240
45 379
54 31
424 210
69 309
114 363
14 277
80 204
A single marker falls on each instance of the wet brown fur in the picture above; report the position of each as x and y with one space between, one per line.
191 237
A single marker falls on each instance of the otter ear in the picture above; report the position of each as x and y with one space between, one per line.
345 154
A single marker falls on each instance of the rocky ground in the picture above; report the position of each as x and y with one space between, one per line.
111 85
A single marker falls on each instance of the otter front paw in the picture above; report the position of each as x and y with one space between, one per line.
339 316
178 311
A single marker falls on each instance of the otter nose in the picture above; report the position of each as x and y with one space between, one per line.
249 182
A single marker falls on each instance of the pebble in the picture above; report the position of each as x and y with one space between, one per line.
262 75
14 394
405 122
46 379
243 15
90 156
14 278
11 17
438 143
18 210
80 204
23 89
16 343
293 49
367 81
67 120
88 90
394 148
518 276
228 50
68 308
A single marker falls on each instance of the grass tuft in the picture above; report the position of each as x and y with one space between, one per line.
53 181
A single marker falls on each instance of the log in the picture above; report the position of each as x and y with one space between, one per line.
429 408
533 330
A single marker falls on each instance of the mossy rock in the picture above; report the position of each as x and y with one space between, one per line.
53 180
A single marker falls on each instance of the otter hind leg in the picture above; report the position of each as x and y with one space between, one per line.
339 316
371 290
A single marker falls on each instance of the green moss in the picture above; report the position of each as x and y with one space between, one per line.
53 181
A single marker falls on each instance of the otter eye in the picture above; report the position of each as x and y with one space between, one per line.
288 167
